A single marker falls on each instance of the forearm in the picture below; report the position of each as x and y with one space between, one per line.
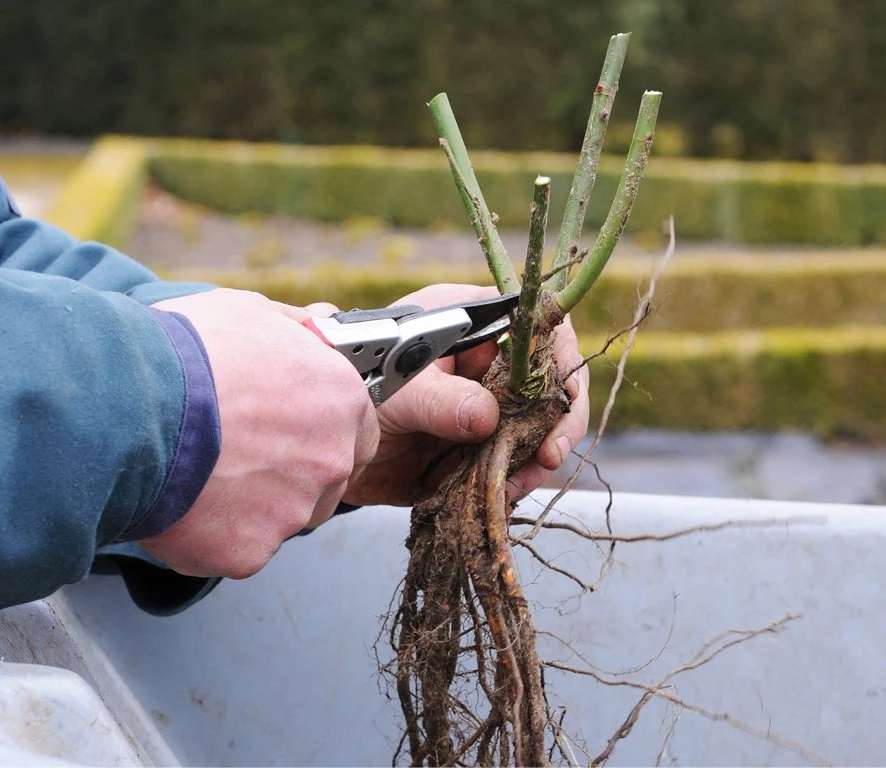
108 417
93 407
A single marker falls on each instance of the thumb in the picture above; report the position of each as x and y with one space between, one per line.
443 405
293 313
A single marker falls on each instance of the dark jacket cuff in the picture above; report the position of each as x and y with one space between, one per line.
153 586
199 442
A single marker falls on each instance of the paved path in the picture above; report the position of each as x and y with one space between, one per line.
171 233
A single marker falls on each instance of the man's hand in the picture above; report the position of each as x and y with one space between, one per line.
445 405
297 424
299 430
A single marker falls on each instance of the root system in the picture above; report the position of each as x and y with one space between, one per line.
467 671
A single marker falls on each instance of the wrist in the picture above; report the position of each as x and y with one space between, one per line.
199 439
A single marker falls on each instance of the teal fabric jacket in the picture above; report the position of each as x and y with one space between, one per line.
108 420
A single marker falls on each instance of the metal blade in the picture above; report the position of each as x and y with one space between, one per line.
491 331
489 318
487 311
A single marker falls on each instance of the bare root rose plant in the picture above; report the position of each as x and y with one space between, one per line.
461 604
466 668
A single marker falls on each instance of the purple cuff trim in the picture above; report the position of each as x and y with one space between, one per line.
199 440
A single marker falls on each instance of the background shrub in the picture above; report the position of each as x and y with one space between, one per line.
793 79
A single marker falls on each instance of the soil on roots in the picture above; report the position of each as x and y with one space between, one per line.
467 672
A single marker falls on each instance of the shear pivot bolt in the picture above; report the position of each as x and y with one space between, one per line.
413 358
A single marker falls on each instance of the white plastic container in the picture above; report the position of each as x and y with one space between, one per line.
279 669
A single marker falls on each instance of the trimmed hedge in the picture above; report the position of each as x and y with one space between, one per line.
101 200
718 200
701 293
830 382
695 295
714 292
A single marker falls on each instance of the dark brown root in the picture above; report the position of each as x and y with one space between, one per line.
463 623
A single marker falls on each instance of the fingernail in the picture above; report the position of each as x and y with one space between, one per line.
465 414
564 446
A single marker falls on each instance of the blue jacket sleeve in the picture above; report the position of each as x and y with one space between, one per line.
108 421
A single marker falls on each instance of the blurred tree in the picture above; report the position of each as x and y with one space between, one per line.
798 79
858 81
794 79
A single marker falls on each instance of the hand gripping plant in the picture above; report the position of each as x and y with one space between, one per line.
466 668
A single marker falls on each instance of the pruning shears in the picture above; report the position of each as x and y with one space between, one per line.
391 346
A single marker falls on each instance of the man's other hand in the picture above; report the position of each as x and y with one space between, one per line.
445 405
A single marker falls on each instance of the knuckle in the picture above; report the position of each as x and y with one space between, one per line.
246 563
239 294
576 384
339 466
364 454
353 396
339 368
322 308
354 407
240 571
572 388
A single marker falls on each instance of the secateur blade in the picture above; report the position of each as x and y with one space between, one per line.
489 318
